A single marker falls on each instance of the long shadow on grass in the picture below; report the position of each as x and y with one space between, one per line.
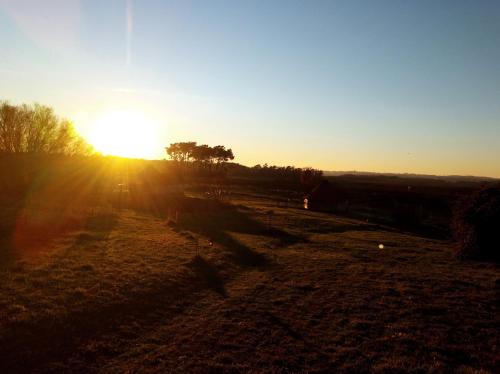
30 241
97 227
207 274
290 331
216 220
8 220
30 346
341 228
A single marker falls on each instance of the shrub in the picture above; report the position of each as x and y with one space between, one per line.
476 225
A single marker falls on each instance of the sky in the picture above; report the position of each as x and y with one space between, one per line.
385 86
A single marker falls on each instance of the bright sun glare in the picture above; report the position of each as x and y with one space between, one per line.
125 133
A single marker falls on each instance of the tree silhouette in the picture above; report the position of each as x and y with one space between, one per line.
203 154
37 129
221 154
182 152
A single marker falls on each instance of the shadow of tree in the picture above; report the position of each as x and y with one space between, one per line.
295 334
330 228
7 257
8 219
216 220
208 274
29 346
21 238
97 227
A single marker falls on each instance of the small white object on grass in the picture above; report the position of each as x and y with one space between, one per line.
380 246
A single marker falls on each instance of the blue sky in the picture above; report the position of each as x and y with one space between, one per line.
390 86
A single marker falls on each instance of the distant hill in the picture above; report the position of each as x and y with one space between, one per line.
452 178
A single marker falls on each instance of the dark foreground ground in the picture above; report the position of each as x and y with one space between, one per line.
295 291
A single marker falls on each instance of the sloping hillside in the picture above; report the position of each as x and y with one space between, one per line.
235 288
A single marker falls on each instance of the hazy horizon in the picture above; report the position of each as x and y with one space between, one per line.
390 87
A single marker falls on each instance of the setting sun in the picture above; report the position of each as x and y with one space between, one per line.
125 133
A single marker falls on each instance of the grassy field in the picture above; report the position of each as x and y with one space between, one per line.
231 288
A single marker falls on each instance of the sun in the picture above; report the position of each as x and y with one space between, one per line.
125 133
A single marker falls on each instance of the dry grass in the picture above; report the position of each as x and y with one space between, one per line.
312 293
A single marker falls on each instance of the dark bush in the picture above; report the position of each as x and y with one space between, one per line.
476 225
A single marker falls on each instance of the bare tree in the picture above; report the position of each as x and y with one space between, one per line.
37 129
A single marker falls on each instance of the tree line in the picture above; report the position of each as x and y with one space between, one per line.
273 171
306 178
37 129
